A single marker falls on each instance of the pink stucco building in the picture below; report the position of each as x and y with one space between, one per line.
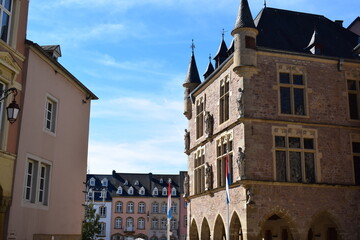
52 153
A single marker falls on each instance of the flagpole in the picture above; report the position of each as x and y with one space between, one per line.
169 211
227 190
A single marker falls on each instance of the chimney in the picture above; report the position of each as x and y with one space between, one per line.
339 22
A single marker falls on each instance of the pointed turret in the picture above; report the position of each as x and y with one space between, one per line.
244 34
221 54
191 82
209 70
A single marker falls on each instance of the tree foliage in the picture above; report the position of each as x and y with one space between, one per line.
91 224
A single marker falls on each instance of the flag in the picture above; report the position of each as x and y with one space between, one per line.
227 170
169 214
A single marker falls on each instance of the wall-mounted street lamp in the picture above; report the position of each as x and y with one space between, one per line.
13 109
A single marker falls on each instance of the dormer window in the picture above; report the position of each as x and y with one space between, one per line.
155 192
136 183
173 191
92 182
104 182
119 190
131 191
126 183
164 191
161 180
142 191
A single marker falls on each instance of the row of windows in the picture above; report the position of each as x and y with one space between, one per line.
155 223
292 97
141 208
295 154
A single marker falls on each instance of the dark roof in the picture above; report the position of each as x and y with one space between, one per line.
244 17
354 22
292 31
209 70
221 54
193 73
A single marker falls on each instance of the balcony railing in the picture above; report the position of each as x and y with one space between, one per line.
129 229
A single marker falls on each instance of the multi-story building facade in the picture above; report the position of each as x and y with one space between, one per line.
139 205
13 19
52 150
279 115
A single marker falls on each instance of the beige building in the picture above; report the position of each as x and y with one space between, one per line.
281 109
52 152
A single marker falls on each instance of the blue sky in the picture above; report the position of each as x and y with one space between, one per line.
134 55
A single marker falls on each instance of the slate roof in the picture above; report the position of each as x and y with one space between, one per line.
136 180
221 54
244 17
292 31
193 73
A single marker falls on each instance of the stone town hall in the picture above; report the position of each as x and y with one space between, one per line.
283 103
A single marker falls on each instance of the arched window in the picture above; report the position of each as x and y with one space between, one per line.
141 223
155 207
118 207
163 223
130 207
164 207
154 223
130 224
118 223
164 191
141 207
104 182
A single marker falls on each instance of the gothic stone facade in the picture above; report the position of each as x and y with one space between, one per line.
299 178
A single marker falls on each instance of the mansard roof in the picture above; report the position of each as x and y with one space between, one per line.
292 31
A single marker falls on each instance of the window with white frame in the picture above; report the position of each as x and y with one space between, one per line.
102 211
130 207
90 195
118 223
130 224
155 191
104 182
92 182
142 191
37 179
174 207
295 154
131 191
164 207
173 224
163 223
173 191
102 229
154 223
5 19
118 207
50 114
155 207
164 191
136 183
141 223
119 190
161 181
141 207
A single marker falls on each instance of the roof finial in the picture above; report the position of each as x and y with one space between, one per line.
223 33
264 3
209 57
192 46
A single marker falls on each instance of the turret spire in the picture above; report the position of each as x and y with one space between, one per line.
244 17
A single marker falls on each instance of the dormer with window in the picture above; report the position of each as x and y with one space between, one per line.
92 182
161 181
136 183
131 191
104 182
155 191
142 191
173 191
119 190
164 191
126 183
